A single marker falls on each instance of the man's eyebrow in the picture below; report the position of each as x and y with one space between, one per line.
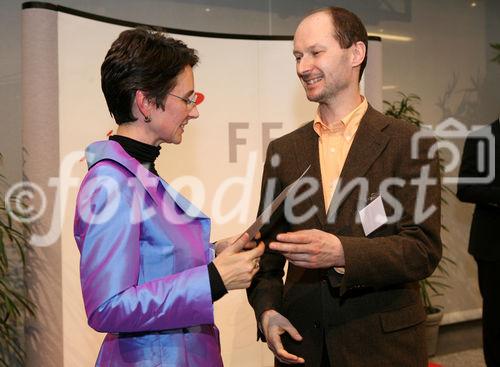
309 48
316 45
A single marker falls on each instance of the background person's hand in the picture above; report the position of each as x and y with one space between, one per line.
237 267
274 325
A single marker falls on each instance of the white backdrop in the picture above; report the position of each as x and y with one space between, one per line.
251 92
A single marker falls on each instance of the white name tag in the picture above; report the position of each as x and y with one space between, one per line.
373 216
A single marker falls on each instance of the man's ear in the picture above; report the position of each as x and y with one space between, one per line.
144 104
358 53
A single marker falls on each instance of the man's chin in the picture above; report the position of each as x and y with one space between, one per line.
314 97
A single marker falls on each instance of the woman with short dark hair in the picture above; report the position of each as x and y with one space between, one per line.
148 273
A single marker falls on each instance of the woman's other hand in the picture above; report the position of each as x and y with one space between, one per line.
221 245
237 266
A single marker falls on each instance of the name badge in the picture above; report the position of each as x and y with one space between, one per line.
373 216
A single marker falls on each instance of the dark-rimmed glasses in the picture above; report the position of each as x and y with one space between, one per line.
191 101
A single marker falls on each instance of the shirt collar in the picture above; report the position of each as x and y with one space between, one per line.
347 125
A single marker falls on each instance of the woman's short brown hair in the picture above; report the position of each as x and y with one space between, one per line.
146 60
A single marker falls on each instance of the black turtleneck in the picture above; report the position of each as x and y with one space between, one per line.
146 154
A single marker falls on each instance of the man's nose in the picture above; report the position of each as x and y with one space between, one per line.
304 66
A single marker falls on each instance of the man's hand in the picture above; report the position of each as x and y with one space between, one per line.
310 248
273 325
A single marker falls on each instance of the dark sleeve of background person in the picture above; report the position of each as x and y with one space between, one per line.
487 194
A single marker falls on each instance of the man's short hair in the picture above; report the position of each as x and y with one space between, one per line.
146 60
349 29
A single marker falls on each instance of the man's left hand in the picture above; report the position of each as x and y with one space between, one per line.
310 248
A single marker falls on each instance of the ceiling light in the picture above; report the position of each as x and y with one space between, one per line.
391 37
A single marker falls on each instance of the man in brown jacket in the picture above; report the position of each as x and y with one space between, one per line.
351 296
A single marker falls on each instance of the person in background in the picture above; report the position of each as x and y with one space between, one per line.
484 242
148 273
351 296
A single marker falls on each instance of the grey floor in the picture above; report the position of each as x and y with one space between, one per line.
460 345
466 358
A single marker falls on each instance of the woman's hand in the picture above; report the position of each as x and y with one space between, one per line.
221 245
236 266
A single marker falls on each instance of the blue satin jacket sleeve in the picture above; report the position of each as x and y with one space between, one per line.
114 236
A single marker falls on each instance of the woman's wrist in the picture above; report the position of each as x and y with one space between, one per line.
217 287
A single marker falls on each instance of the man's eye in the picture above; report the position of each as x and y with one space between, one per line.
316 53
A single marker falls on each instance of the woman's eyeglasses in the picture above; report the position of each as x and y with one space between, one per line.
191 101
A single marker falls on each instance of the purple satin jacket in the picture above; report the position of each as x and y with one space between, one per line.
143 268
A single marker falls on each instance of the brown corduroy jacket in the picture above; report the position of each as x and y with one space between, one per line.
373 314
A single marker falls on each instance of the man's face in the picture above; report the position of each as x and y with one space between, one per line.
323 67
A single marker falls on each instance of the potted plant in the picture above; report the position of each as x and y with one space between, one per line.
14 303
404 109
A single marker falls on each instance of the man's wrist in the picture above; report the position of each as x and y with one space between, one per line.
267 312
260 321
339 261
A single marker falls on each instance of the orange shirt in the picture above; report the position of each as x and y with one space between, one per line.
334 144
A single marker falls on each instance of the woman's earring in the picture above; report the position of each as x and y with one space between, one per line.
147 119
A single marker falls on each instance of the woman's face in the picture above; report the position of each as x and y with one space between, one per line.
167 126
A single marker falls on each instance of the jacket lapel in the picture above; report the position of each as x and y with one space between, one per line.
187 207
368 144
307 152
111 150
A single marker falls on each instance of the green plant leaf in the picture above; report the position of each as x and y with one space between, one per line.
14 302
10 342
